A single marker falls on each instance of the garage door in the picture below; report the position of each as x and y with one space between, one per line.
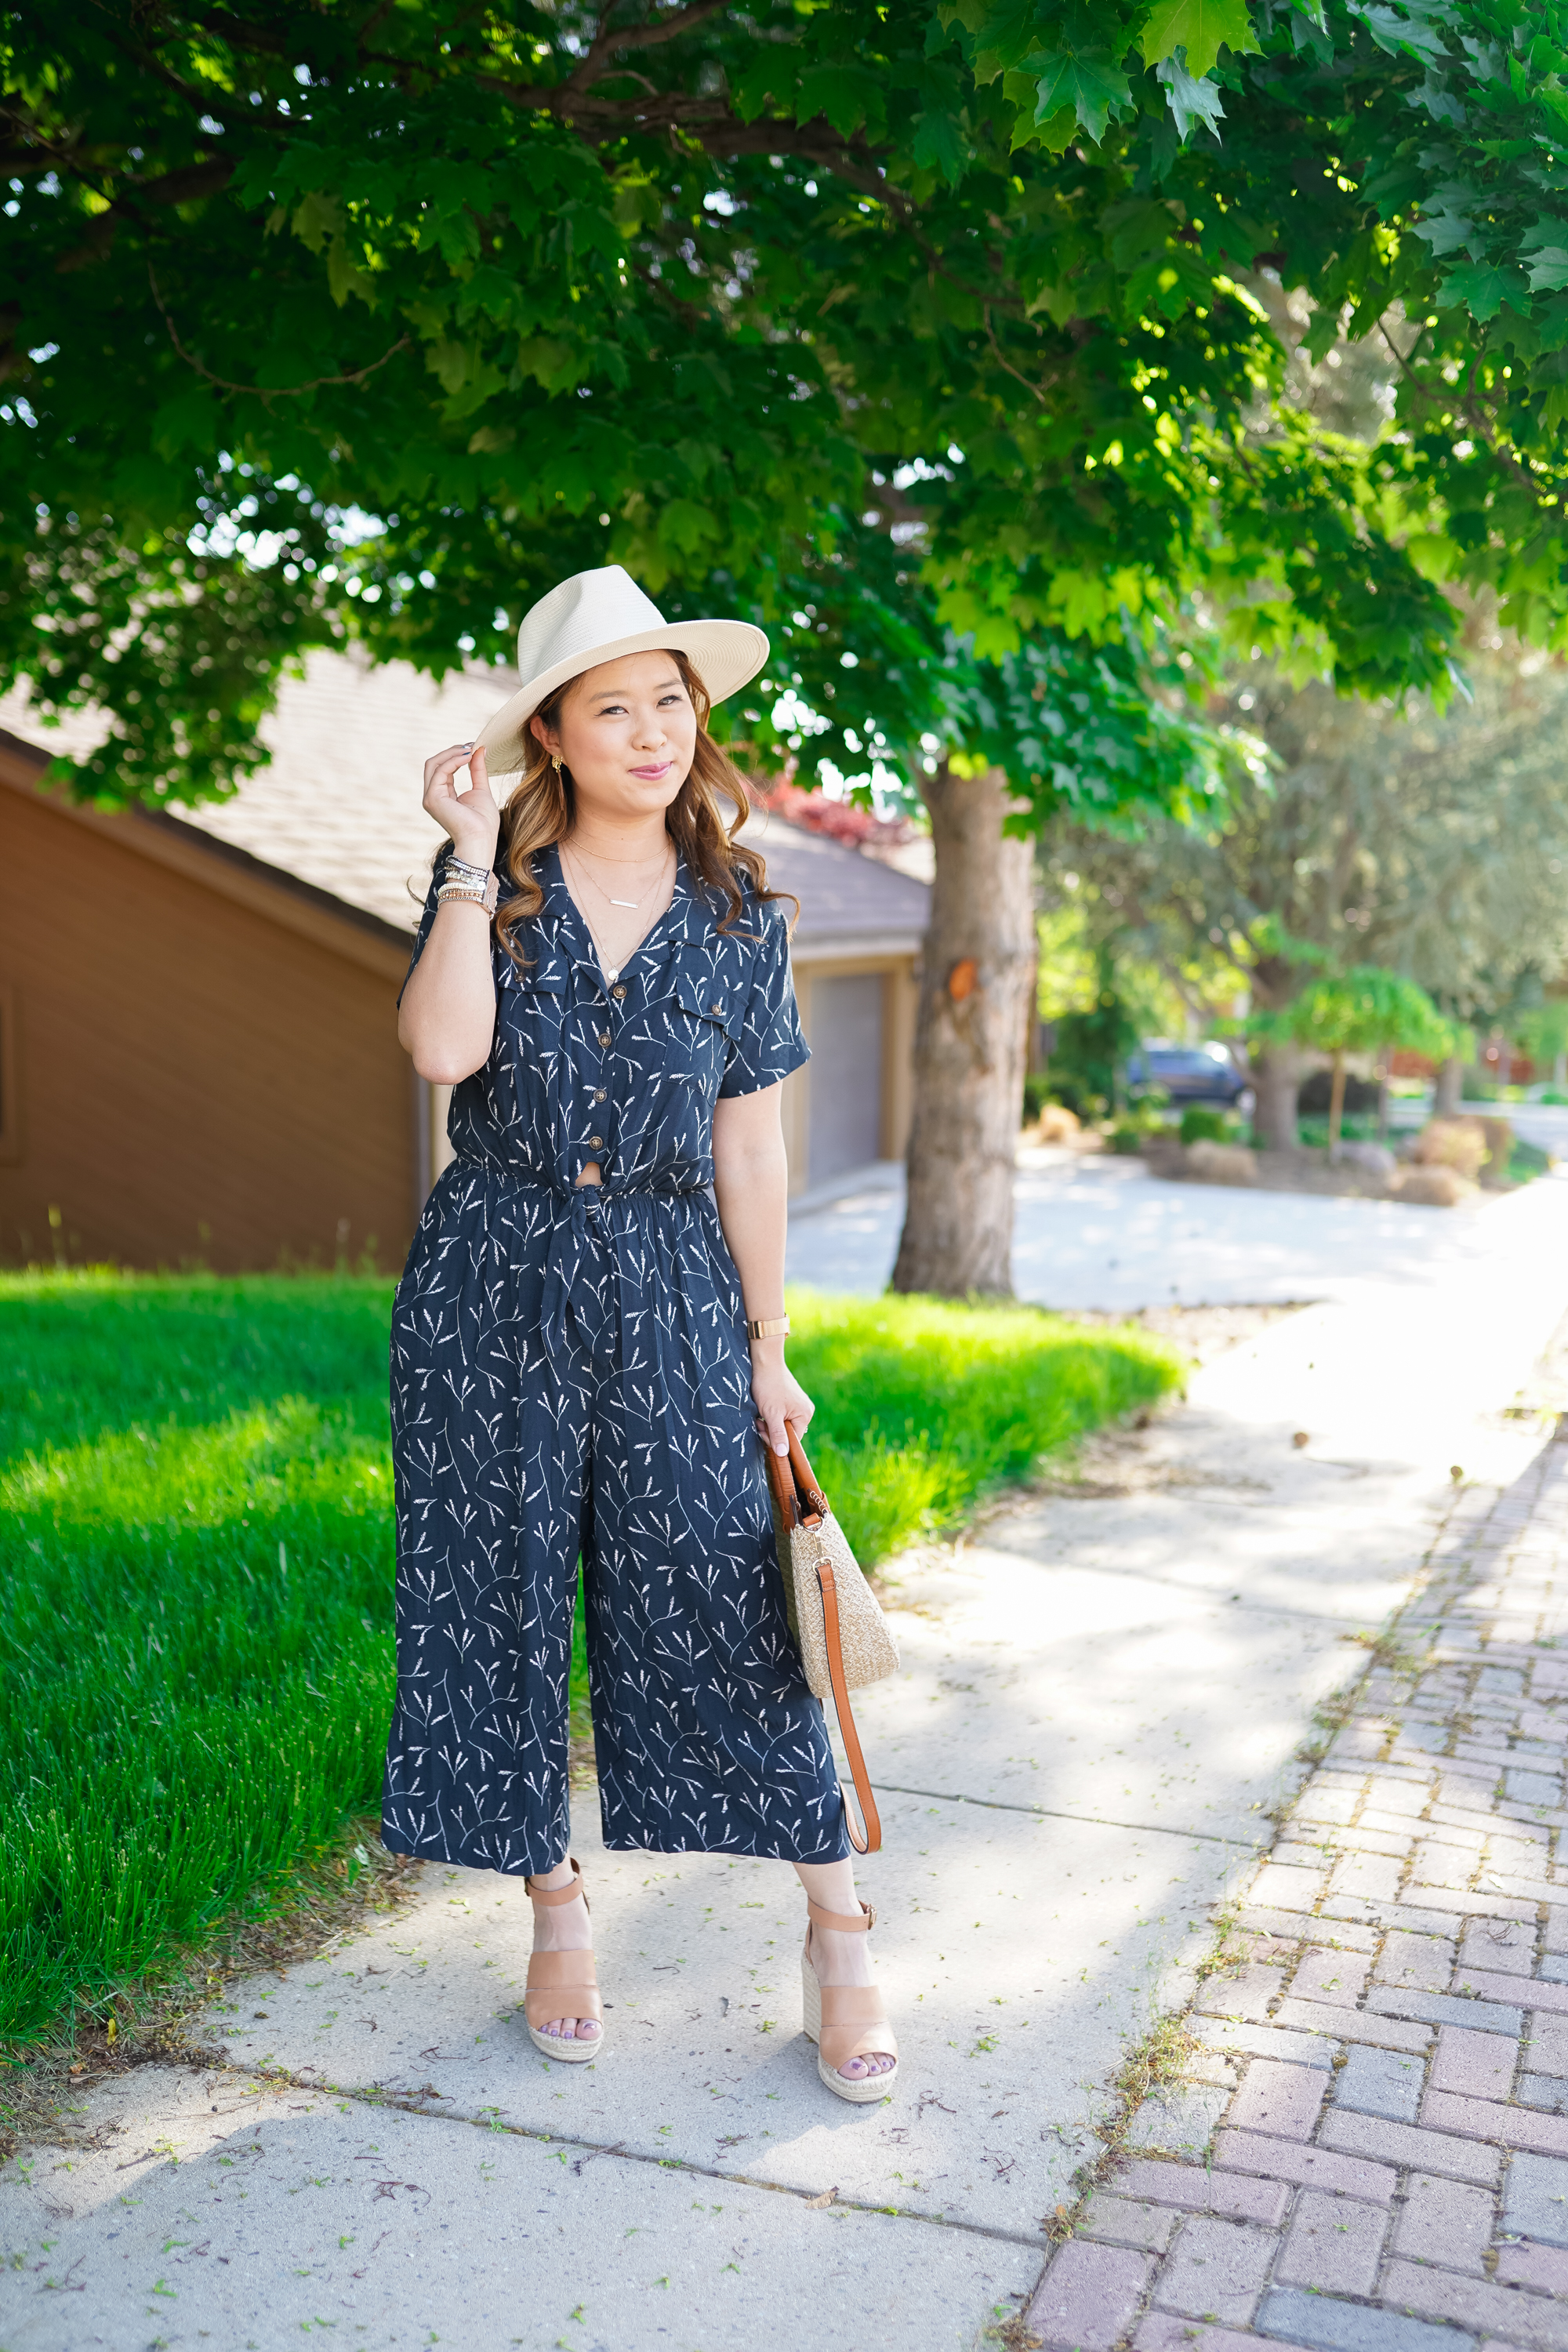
846 1074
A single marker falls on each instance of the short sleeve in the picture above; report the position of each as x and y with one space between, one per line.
769 1044
437 875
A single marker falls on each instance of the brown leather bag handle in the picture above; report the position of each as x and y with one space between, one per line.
803 1504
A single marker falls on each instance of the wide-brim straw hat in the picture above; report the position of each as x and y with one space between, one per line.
596 616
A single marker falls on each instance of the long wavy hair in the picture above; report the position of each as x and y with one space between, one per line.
541 808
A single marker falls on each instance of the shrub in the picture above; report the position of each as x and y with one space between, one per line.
1527 1159
1431 1187
1471 1147
1200 1124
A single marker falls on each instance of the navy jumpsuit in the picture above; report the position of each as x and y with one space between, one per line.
570 1376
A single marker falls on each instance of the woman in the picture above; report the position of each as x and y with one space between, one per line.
588 1342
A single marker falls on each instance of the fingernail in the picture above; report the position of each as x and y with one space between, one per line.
468 747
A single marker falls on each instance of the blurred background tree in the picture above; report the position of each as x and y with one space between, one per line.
1433 843
1364 1010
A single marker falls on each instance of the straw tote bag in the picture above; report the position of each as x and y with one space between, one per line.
833 1617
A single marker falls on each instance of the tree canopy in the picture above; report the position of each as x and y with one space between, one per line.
942 340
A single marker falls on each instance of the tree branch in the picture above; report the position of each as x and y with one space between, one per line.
1470 407
607 43
1005 363
266 391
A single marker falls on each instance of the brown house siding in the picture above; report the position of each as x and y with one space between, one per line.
203 1063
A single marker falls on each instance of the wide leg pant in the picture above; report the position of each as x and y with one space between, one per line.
570 1378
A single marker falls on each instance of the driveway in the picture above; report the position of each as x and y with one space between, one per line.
1103 1233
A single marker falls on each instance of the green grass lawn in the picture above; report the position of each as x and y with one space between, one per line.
195 1651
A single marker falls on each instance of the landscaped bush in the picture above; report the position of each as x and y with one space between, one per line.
1201 1125
195 1651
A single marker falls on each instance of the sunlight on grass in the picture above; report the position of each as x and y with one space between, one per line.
923 1406
196 1647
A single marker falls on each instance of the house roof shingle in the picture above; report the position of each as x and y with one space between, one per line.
339 805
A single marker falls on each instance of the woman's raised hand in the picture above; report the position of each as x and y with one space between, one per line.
471 818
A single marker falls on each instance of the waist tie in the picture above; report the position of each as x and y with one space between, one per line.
570 1234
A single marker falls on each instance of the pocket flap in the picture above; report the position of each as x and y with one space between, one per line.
709 998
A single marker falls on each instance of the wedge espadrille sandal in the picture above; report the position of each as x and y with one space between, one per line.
562 1984
846 2021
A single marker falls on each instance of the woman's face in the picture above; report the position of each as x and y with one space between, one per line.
628 734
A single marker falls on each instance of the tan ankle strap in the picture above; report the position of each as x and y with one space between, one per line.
567 1893
821 1918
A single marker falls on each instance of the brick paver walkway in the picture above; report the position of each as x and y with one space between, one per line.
1386 2051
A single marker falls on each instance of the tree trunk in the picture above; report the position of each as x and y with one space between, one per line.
1336 1105
969 1046
1276 1075
1446 1093
1385 1097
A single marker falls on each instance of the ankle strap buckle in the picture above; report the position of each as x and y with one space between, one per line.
567 1893
838 1919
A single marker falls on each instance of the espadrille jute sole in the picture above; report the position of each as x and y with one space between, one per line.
571 2051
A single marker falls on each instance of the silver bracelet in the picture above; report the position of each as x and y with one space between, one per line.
460 870
475 882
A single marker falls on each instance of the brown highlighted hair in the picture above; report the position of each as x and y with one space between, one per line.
542 807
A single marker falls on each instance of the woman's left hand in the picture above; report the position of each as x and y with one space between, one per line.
778 1397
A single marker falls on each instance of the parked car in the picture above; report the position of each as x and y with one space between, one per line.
1186 1073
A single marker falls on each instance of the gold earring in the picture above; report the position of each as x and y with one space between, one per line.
555 761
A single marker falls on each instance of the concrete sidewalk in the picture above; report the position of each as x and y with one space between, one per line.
1102 1690
1099 1232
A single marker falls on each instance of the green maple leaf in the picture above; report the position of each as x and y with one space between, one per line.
1549 269
939 146
1480 285
1202 27
1090 81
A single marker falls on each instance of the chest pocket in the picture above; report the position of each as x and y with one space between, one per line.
705 1016
708 999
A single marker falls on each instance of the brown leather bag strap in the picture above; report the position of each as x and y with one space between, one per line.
801 1502
813 1501
781 1479
864 1828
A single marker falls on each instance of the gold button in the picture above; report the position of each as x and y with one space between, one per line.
604 1037
715 1008
599 1096
618 991
596 1139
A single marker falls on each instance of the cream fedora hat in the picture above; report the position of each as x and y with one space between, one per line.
596 616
